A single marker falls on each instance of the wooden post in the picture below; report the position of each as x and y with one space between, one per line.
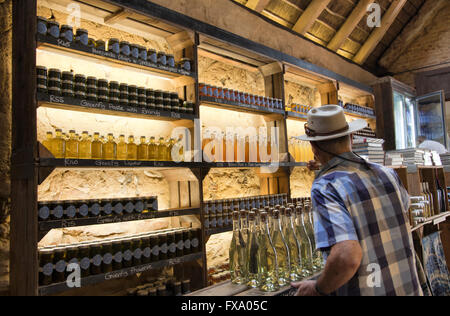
24 228
328 93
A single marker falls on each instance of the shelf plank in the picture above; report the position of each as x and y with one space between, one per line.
218 230
435 220
72 104
45 226
240 107
297 116
96 279
48 43
359 115
108 164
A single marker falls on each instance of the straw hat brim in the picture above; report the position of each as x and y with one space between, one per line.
354 126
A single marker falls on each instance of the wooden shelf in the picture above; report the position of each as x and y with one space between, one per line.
435 220
240 107
100 278
218 230
72 104
108 164
48 43
297 116
359 115
45 226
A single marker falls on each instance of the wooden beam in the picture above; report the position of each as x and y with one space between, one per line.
257 5
119 15
377 35
307 19
180 41
271 69
349 25
412 31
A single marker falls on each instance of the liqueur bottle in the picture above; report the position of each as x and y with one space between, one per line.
132 149
110 148
85 146
97 147
143 149
162 149
237 254
59 145
282 250
267 257
152 150
72 146
122 148
252 253
170 145
294 247
48 142
305 244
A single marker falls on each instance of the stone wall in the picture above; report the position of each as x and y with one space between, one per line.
299 94
5 138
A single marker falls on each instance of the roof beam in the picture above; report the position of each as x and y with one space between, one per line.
307 19
349 25
119 15
257 5
377 35
412 31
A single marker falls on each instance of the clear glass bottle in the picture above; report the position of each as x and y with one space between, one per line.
237 254
97 147
59 145
122 148
309 225
267 257
305 244
162 149
152 149
72 146
48 142
85 146
143 149
110 148
132 149
282 250
252 248
243 224
294 247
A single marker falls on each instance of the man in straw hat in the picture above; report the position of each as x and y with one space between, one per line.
360 208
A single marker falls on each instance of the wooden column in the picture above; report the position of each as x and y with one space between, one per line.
24 228
328 93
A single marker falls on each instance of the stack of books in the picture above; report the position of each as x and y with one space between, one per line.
412 156
370 149
445 159
393 158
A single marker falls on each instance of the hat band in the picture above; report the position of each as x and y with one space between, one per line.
313 133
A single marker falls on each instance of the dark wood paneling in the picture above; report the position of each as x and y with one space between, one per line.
432 81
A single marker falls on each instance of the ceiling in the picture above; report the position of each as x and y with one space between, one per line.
341 25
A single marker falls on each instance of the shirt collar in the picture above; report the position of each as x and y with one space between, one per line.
336 161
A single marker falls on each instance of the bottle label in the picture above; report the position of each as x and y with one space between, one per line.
73 261
127 255
180 245
163 248
147 252
48 269
155 251
60 266
107 258
118 208
129 208
58 211
187 244
118 257
44 212
139 207
138 253
172 248
84 210
95 209
85 263
97 260
107 209
71 211
195 243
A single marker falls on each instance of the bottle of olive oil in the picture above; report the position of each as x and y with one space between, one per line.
267 257
59 145
85 146
252 253
132 149
72 146
162 149
97 147
110 148
48 142
122 148
170 145
237 253
143 149
294 247
152 149
282 250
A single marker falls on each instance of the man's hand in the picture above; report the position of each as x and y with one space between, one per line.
313 165
306 288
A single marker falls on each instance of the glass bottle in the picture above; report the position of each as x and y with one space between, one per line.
48 142
237 253
243 224
132 149
247 149
122 148
308 219
282 250
85 146
433 210
170 146
267 257
72 146
109 148
252 253
162 149
152 149
294 247
305 244
97 147
143 149
59 145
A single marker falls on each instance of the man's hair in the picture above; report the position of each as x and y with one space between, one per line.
334 145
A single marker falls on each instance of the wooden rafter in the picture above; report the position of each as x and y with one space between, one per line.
307 19
347 28
257 5
377 35
410 33
121 14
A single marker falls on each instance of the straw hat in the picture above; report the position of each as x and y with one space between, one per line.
328 122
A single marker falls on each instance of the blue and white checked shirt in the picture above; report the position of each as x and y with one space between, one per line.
352 202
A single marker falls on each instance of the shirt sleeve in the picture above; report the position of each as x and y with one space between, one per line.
333 222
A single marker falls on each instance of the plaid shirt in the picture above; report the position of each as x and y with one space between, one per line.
353 202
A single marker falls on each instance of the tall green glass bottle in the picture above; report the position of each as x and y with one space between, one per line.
252 253
267 257
237 254
294 247
305 244
282 250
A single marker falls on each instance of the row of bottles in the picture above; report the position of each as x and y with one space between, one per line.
72 146
223 147
273 246
301 151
